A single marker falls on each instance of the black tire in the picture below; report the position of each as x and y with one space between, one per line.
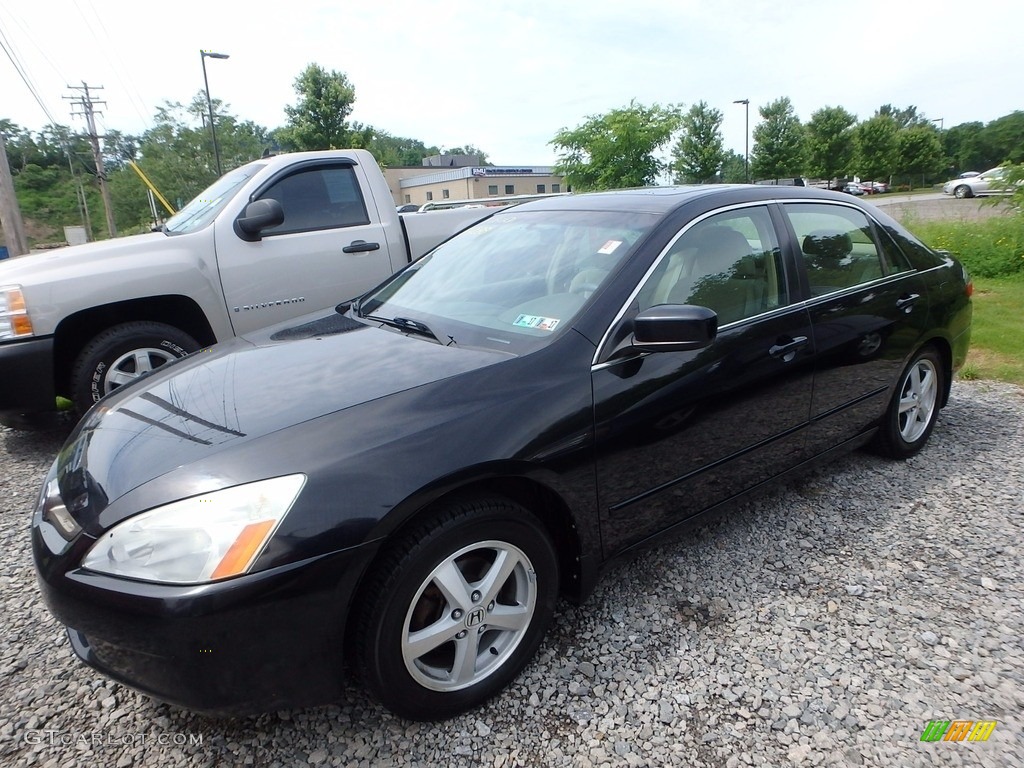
112 358
963 191
402 596
914 408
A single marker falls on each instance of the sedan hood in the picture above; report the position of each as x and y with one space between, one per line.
242 390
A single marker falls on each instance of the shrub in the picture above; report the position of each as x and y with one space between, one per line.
988 247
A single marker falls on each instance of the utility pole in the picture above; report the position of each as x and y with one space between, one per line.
10 213
87 105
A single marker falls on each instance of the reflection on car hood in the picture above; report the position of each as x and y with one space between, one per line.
240 391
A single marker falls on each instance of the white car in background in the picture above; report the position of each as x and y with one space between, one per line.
990 182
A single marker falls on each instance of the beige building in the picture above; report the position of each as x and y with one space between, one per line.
423 184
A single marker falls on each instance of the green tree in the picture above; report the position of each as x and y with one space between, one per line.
734 168
616 150
177 155
904 118
1005 137
830 144
919 152
390 151
877 142
319 119
966 148
778 142
1014 179
698 153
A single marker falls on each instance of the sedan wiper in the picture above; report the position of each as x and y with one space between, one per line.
410 325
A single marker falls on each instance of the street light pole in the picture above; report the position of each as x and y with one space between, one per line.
746 137
203 55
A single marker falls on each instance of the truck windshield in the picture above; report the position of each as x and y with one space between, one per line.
203 207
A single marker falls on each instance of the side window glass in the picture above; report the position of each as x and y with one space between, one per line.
730 263
837 246
318 198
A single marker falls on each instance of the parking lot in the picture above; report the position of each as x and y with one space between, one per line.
825 622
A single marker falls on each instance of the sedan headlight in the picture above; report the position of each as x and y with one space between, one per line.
205 538
14 320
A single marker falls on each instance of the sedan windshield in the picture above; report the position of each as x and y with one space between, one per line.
513 281
203 207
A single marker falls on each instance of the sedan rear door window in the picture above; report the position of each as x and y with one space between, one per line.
837 245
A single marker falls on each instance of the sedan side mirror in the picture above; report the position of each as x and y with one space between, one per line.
258 216
674 328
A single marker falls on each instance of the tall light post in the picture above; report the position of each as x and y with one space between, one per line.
746 137
203 56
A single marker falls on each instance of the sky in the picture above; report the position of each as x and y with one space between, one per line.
507 76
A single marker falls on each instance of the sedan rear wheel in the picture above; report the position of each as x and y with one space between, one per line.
963 191
456 609
914 407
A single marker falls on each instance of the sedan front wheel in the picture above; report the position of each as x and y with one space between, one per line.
456 609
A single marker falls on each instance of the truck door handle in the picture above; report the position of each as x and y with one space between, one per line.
787 349
360 246
906 301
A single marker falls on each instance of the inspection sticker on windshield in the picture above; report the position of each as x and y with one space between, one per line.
609 247
534 321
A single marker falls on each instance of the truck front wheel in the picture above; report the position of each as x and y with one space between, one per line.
121 354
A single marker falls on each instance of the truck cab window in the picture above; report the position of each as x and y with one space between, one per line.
318 198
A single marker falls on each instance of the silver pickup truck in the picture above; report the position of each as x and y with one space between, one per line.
274 239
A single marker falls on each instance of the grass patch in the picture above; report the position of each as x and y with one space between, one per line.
991 247
993 252
997 332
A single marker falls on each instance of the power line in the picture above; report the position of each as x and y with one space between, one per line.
119 66
12 54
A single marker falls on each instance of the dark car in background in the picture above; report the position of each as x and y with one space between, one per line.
401 489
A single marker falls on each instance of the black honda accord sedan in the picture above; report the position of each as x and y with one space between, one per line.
400 489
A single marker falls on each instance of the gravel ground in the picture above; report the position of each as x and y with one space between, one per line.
824 623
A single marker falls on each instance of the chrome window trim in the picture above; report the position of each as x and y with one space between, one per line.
647 275
804 305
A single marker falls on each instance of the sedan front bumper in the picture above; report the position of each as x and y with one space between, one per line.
260 642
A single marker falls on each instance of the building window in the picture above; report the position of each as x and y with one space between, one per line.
556 187
492 189
408 198
444 194
540 189
510 189
430 195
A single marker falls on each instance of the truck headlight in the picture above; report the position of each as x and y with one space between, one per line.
14 320
202 539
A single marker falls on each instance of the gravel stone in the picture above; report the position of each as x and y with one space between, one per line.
741 644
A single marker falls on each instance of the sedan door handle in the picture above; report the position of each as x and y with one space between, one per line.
360 246
906 301
787 349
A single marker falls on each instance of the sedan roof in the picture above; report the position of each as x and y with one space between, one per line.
661 200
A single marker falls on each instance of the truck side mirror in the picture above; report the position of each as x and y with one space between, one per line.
258 216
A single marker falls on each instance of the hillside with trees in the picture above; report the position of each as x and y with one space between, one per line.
55 176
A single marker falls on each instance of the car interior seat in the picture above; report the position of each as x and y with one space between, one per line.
829 259
725 276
